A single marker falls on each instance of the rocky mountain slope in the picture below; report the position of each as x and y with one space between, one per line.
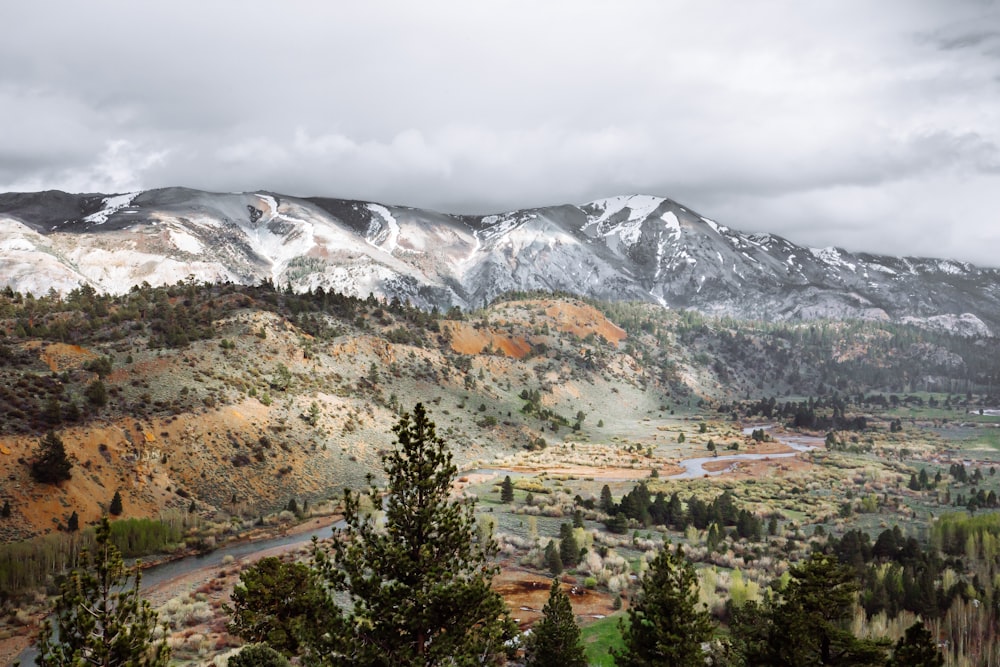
238 398
622 248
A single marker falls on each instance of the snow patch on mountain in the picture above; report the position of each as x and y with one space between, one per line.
832 257
499 226
716 227
185 242
951 267
383 230
111 206
965 324
640 206
672 223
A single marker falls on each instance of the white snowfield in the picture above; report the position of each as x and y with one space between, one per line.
111 206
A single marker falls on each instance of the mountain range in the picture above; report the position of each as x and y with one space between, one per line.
630 247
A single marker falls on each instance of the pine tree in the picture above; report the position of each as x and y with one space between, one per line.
99 618
51 465
73 522
817 608
553 560
419 583
916 649
555 639
665 626
116 507
607 503
507 490
5 512
569 549
278 603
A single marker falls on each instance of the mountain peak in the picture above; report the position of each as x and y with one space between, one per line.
624 247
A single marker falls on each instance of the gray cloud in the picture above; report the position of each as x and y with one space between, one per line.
867 125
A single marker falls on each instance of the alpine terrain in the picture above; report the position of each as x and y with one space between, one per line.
634 247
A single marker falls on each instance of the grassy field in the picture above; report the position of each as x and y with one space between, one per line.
600 637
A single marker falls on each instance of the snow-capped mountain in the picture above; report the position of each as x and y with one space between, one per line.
634 247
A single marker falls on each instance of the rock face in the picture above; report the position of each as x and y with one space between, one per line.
633 247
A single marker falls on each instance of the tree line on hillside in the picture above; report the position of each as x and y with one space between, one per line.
816 357
417 586
173 316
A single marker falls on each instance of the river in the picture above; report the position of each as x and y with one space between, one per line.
166 572
696 467
161 574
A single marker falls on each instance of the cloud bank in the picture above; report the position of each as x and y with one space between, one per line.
873 126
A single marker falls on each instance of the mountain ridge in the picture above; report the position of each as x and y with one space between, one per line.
625 247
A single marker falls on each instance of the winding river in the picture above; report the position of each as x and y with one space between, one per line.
161 574
696 467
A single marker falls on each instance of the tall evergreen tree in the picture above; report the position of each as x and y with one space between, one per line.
51 465
817 608
569 548
419 584
553 559
555 639
665 626
507 490
116 507
607 503
99 618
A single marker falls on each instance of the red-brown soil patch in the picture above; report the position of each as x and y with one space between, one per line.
766 468
526 594
466 339
60 357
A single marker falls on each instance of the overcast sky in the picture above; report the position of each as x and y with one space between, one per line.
868 125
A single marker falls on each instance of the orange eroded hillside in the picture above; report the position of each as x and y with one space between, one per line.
578 319
582 320
150 462
60 356
466 339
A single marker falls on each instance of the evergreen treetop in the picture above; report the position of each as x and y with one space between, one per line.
666 627
419 584
555 639
116 507
916 648
52 465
